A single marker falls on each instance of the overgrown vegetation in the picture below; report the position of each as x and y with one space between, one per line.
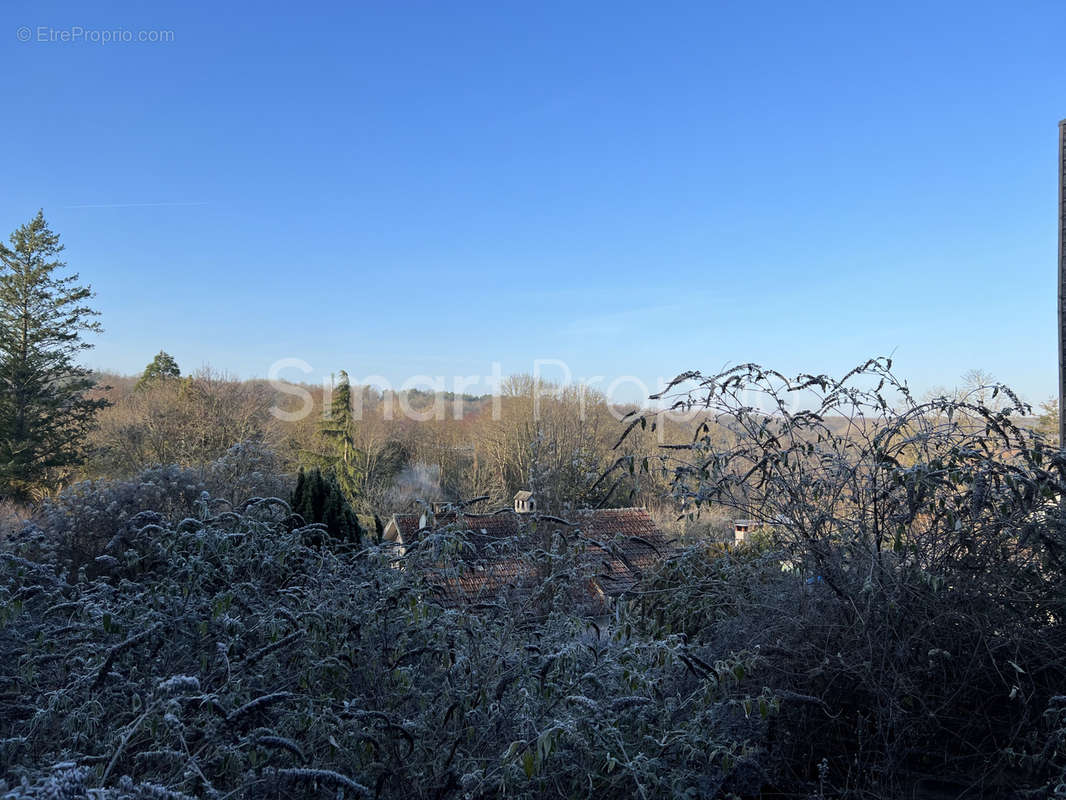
893 629
921 606
218 653
219 625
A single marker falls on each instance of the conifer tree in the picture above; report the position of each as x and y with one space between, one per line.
162 367
44 408
358 470
338 435
318 498
297 501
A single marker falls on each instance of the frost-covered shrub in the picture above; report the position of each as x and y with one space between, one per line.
247 469
908 589
82 519
12 518
219 656
67 781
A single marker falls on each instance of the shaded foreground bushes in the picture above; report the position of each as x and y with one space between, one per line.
909 584
896 631
217 656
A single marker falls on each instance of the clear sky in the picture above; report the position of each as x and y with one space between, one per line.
632 188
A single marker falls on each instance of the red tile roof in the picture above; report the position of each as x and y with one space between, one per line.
615 546
502 524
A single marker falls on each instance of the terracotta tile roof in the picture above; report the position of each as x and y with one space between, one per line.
482 581
502 525
615 547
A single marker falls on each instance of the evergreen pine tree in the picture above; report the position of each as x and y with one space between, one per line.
44 410
163 366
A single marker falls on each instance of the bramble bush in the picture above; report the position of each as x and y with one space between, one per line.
907 593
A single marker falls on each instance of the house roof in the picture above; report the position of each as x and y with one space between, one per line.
523 495
410 527
615 546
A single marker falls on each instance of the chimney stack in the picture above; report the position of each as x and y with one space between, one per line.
524 503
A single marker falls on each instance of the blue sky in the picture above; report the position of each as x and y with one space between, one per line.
632 188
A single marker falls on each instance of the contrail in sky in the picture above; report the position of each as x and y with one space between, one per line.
132 205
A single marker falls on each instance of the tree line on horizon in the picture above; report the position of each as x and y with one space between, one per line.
166 625
60 423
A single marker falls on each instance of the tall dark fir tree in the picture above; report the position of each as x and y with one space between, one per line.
318 498
336 432
45 411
